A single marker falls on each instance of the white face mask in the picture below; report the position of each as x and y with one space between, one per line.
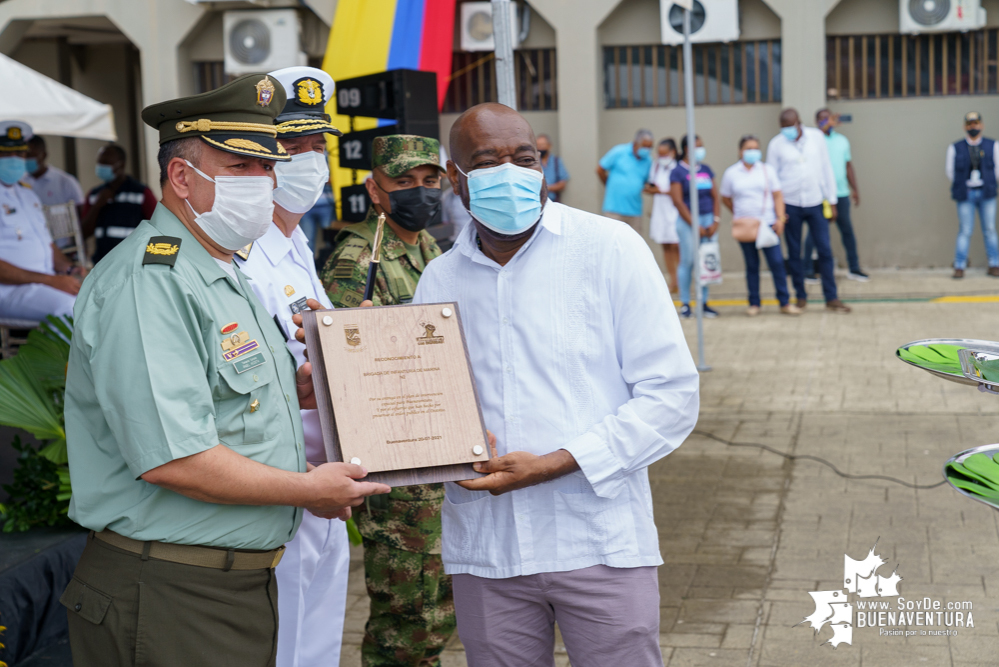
242 212
300 182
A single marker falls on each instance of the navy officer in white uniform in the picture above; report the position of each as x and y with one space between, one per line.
36 279
312 576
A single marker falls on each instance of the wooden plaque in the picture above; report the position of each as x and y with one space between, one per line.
395 390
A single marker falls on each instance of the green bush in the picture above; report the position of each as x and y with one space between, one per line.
32 389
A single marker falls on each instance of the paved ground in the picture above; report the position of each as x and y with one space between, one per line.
746 534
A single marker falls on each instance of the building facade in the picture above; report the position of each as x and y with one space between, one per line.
592 72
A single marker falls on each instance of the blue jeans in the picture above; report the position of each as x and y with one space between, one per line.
775 260
845 225
818 227
986 218
688 256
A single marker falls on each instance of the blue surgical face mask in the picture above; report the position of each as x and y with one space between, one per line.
790 133
11 169
31 165
105 172
505 198
643 153
752 155
700 153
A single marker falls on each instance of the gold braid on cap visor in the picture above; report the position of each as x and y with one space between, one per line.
205 125
303 126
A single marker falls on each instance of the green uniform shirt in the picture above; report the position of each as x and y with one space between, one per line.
409 518
148 383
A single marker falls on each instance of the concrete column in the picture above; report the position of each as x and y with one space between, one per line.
579 87
803 52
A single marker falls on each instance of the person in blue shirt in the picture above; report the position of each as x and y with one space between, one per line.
556 175
624 170
706 226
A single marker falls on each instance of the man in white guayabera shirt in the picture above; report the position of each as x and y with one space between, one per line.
585 379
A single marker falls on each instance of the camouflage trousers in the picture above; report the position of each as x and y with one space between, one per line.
412 608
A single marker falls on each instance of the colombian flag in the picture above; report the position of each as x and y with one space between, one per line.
371 36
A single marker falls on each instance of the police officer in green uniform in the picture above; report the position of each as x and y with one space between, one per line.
412 611
182 410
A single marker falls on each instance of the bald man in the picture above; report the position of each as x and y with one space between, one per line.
585 379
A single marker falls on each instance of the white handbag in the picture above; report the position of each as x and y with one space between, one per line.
766 237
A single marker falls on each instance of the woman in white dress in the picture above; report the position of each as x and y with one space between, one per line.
662 226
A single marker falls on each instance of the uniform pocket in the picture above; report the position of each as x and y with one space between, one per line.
242 394
88 603
588 525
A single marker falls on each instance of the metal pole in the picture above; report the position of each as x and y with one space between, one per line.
688 94
503 41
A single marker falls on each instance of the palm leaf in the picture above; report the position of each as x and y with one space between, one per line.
23 404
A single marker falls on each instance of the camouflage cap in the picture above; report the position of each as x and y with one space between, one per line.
395 154
237 117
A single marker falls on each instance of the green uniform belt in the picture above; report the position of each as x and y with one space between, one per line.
185 554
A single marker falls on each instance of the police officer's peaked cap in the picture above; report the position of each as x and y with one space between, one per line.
14 135
309 91
236 118
395 154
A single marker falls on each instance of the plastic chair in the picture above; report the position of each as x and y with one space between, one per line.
64 223
9 339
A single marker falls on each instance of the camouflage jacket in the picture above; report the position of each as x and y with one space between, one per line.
346 271
409 518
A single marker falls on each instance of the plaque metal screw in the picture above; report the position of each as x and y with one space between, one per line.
477 450
327 320
356 461
447 312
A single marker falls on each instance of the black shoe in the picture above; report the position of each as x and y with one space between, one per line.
685 312
859 276
710 312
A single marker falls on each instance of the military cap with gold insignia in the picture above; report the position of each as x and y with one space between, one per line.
236 118
14 135
396 154
309 91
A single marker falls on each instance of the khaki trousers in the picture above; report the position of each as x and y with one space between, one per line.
633 221
126 611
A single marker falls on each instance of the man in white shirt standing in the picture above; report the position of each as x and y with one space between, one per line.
585 379
801 159
280 267
50 184
971 170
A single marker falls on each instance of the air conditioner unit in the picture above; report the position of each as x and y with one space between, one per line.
940 15
710 21
262 40
477 26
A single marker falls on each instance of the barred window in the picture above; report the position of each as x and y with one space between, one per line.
473 80
745 72
875 66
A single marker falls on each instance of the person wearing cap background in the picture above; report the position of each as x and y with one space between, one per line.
412 611
312 575
36 279
184 432
971 169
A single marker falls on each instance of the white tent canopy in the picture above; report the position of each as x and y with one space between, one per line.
50 107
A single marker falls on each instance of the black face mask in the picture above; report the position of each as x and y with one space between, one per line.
543 153
415 209
973 132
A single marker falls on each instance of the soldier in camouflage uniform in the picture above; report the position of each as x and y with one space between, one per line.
412 611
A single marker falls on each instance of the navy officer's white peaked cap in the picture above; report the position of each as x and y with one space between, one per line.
14 135
309 91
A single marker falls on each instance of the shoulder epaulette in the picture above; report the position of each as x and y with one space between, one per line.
162 250
22 183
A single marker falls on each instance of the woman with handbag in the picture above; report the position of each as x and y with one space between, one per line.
662 224
693 233
752 191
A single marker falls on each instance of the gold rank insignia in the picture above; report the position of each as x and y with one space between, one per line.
162 250
244 252
235 340
14 133
288 290
265 91
309 92
255 405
